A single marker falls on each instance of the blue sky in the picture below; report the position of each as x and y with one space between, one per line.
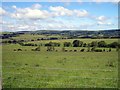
19 16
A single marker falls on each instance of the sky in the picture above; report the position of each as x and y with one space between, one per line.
32 16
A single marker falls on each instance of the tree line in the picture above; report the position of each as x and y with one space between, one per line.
75 43
78 43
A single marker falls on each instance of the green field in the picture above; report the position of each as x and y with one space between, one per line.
42 69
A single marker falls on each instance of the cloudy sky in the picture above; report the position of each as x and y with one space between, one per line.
26 16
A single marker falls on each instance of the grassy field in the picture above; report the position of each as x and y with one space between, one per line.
42 69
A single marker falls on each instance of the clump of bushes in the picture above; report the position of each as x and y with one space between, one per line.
98 50
53 44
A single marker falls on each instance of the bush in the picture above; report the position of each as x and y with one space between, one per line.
67 44
52 44
114 45
104 50
98 50
94 44
109 49
82 50
75 50
102 44
77 43
84 45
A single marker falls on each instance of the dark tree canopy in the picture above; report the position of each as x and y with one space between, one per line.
77 43
67 44
102 44
94 44
114 45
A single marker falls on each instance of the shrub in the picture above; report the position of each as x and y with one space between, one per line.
67 44
75 50
102 44
82 50
77 43
98 50
94 44
104 50
114 45
19 49
109 49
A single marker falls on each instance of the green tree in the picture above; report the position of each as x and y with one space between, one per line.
77 43
102 44
67 44
94 44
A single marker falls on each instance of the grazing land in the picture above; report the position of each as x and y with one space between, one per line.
25 66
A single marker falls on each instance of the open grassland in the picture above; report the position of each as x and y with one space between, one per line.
42 69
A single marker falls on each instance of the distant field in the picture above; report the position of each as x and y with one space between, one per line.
42 69
35 37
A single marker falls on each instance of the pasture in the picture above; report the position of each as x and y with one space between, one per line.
43 69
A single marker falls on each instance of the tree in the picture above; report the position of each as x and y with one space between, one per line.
77 43
84 45
102 44
94 44
67 44
52 44
109 49
113 45
103 50
56 44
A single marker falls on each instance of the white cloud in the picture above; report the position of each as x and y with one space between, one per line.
2 11
38 18
102 18
104 23
60 11
29 13
36 6
81 13
14 7
35 13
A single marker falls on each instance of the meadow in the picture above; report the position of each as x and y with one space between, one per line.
43 69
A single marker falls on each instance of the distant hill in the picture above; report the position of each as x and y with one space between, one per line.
115 33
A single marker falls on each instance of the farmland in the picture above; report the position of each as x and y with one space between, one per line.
58 69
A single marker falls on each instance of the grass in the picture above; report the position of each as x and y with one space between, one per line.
42 69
